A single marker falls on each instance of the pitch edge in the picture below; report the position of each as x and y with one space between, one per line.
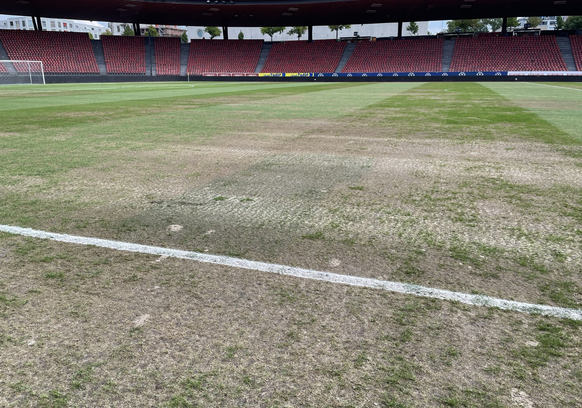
409 289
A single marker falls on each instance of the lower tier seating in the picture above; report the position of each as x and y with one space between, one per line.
60 53
303 56
223 56
400 55
540 53
124 55
576 41
167 55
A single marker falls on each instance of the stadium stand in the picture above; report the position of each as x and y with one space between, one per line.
124 55
167 55
403 55
302 56
3 69
507 54
61 53
223 56
576 41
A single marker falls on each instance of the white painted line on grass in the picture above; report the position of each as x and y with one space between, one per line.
475 300
555 86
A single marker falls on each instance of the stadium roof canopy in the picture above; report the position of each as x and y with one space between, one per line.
256 13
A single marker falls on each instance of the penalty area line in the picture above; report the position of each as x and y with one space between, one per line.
405 288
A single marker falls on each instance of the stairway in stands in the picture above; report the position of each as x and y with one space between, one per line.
184 53
348 51
99 56
448 51
150 56
4 56
263 57
566 50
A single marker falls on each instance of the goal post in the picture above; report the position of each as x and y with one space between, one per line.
13 72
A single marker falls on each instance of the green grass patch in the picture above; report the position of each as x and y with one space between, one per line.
553 342
314 235
462 111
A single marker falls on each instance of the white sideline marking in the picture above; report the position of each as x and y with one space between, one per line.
554 86
475 300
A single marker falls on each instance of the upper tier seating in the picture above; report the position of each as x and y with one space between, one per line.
576 41
302 56
223 56
507 54
124 55
61 53
167 55
401 55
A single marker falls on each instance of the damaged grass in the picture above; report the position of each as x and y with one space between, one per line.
255 339
443 185
493 216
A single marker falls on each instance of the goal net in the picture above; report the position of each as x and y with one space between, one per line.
21 72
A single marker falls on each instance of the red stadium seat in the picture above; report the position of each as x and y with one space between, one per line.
507 54
124 55
576 41
302 56
167 55
402 55
61 53
223 56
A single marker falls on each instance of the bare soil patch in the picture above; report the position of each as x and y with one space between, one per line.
494 217
98 327
460 196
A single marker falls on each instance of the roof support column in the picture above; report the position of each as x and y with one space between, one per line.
225 32
136 30
310 33
36 23
400 29
504 26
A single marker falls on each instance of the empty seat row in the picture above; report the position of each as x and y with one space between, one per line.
576 41
303 56
72 53
124 55
400 55
61 53
223 56
507 54
167 51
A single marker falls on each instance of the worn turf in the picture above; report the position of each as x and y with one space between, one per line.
467 187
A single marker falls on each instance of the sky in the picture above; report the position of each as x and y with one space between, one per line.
437 26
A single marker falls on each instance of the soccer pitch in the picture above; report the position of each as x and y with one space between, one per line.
473 188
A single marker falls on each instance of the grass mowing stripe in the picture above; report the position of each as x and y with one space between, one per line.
74 136
462 111
127 95
556 105
26 113
416 290
554 86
